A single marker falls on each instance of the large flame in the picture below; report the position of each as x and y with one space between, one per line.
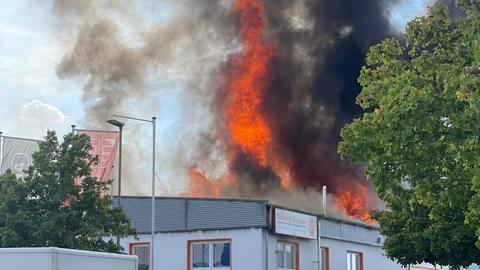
247 126
354 202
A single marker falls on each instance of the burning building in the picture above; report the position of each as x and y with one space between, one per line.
270 83
281 104
221 234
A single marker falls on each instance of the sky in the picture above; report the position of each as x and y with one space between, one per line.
33 99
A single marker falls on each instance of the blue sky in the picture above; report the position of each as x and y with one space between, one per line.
34 99
30 51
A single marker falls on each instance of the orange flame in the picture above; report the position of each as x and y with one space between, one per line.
354 203
201 186
247 126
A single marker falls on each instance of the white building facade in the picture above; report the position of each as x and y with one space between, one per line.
221 234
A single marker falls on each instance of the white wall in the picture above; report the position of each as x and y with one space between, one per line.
307 255
248 249
171 248
373 256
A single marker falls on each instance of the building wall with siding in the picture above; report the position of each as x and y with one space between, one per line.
307 251
171 248
358 233
190 214
246 223
373 257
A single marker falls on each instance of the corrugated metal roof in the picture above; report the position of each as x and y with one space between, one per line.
188 214
350 232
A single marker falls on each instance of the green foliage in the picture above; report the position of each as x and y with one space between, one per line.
47 208
419 137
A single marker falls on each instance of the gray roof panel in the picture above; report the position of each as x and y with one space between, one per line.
188 214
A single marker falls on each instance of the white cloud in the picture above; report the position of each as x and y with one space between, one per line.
406 10
37 117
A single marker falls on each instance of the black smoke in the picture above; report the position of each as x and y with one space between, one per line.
320 49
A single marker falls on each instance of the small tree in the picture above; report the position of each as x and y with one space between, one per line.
47 207
420 137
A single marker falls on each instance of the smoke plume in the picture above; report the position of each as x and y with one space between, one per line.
294 67
128 54
310 94
321 48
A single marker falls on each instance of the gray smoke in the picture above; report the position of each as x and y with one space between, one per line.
126 58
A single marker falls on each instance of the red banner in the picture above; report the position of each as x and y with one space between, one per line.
104 145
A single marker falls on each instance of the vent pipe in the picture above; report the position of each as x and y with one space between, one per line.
324 198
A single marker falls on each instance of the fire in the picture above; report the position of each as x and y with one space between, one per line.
201 186
247 126
354 203
281 169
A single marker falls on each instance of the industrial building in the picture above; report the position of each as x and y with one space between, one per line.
220 234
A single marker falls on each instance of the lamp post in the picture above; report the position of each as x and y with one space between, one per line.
153 121
119 198
1 150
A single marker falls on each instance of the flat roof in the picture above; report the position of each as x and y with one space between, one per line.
247 200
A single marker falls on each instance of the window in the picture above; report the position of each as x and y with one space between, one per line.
325 259
354 260
211 254
287 256
142 250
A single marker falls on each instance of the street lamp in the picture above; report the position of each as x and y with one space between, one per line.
153 121
119 198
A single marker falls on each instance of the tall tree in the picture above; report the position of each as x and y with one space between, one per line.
47 207
420 137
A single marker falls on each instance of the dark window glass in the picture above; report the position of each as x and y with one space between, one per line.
200 256
143 253
280 256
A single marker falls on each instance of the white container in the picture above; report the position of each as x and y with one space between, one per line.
52 258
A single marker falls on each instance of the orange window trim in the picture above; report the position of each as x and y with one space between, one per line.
361 257
327 258
190 242
131 245
297 253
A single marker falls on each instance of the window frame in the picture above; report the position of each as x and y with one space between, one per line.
210 242
132 245
327 257
360 255
296 255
